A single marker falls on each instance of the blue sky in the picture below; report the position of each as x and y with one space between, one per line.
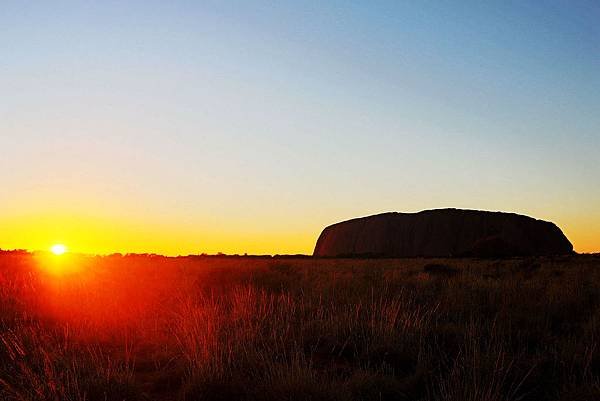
248 126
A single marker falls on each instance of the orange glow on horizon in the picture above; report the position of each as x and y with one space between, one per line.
103 235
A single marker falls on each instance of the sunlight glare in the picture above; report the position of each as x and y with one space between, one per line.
58 249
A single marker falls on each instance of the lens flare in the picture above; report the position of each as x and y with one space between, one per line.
58 249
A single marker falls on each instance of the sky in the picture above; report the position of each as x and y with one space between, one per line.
185 127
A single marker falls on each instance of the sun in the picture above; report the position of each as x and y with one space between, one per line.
58 249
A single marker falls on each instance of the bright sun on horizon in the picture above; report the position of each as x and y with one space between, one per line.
58 249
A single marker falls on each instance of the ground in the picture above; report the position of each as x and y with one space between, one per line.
242 328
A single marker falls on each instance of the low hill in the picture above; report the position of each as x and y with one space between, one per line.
443 233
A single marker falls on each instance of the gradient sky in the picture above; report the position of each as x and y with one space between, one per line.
185 127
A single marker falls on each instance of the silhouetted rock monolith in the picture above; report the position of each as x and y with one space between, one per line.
443 233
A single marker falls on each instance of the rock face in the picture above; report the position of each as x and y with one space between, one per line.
443 233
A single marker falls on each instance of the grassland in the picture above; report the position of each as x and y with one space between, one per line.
202 328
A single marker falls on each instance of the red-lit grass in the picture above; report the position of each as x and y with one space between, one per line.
143 327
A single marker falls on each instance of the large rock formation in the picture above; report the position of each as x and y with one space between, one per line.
443 233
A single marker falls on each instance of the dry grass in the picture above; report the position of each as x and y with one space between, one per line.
152 328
